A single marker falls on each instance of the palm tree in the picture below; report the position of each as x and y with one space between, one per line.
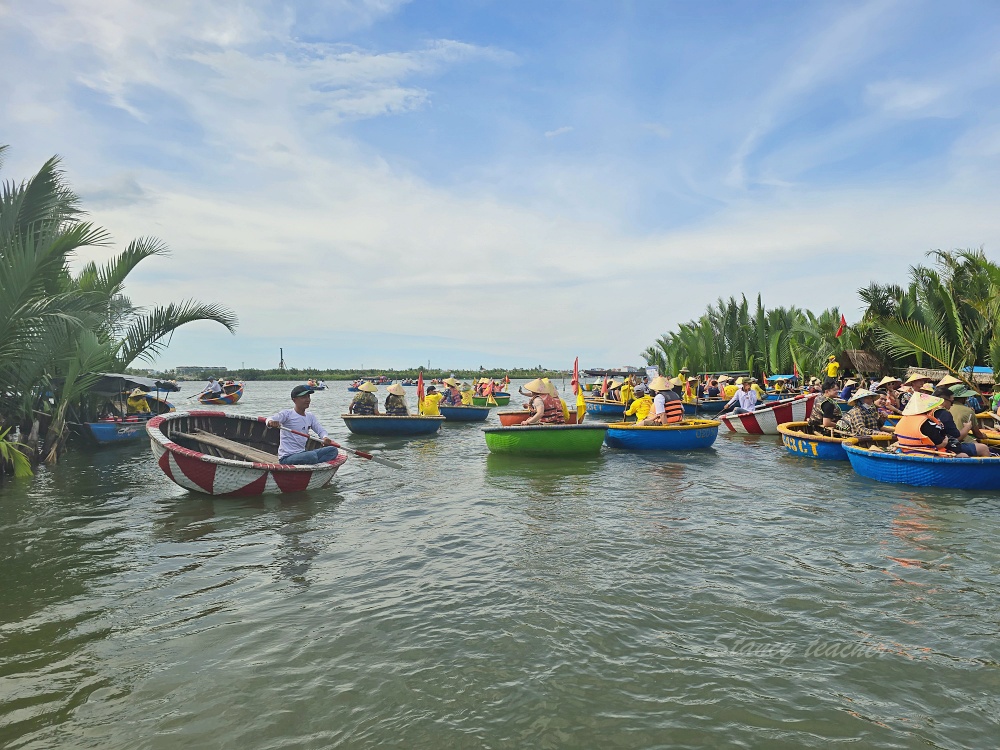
57 329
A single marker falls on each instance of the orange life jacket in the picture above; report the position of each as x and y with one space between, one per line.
911 440
553 413
673 411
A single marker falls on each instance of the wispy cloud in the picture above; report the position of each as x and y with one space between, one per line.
558 132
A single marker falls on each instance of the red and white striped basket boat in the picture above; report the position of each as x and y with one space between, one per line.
196 450
766 421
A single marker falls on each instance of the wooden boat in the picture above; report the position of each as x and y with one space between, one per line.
399 426
800 439
691 434
765 421
605 407
962 473
502 399
225 454
546 440
511 418
465 413
127 429
231 393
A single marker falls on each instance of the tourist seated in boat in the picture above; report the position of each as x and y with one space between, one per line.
755 387
745 399
432 403
964 426
668 408
292 447
451 396
848 390
467 394
395 401
690 395
544 407
365 404
137 403
554 392
780 385
826 412
642 404
917 432
728 387
214 387
864 419
888 386
913 384
613 391
712 391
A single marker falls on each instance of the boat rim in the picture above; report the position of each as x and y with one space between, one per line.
154 432
791 429
851 446
547 427
393 416
688 424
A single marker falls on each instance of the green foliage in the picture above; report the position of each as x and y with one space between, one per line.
12 456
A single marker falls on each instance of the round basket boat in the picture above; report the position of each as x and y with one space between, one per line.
765 421
465 413
224 454
383 425
710 405
603 407
511 418
501 399
799 439
230 395
546 440
924 471
691 434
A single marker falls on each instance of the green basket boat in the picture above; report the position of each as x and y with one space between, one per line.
502 399
559 440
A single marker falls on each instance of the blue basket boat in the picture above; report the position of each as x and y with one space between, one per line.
691 434
924 471
604 407
800 440
389 426
125 429
465 413
712 405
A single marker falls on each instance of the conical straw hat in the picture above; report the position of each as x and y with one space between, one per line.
536 386
921 403
368 387
676 381
396 390
860 394
450 381
915 377
947 380
889 379
659 384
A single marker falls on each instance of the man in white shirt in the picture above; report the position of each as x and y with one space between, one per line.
745 396
214 387
292 447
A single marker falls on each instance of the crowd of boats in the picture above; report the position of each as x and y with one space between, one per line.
886 439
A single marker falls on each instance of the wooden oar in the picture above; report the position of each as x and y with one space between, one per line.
359 454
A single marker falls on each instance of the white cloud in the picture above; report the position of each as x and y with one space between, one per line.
905 98
558 132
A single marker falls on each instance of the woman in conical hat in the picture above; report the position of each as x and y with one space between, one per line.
888 385
395 402
545 408
365 403
452 396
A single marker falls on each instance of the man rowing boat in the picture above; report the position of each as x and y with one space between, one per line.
292 447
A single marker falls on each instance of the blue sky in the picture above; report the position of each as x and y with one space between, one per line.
507 183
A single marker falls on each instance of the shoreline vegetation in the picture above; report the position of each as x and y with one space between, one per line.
59 329
946 318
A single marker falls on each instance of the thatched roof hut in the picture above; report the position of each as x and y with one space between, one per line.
979 375
861 362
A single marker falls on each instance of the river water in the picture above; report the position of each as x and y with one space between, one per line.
736 597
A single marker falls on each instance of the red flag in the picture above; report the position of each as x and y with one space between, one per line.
795 370
576 375
843 325
420 391
763 377
604 386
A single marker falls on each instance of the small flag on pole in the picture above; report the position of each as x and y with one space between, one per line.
420 392
843 325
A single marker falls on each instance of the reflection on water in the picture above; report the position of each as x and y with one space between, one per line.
624 600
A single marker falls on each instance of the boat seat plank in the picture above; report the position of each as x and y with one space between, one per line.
231 446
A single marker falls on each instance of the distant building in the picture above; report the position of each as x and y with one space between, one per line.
199 370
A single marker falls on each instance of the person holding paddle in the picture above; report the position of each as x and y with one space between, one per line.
292 445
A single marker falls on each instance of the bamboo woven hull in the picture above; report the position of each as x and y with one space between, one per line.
213 475
230 396
765 421
605 408
695 435
464 413
925 471
401 426
546 441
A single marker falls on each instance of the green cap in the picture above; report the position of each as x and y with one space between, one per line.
959 390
